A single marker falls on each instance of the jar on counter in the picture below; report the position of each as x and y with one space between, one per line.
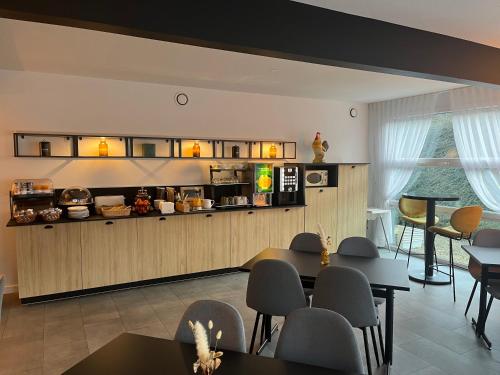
142 203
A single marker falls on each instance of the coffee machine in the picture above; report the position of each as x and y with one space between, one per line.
287 182
261 178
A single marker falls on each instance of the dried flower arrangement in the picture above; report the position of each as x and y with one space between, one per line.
208 360
325 242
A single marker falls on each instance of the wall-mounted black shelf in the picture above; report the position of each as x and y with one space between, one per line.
79 146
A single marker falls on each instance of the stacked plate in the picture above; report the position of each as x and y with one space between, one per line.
78 212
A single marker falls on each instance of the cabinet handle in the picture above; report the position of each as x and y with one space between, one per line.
163 218
209 215
109 223
250 212
320 190
287 209
48 226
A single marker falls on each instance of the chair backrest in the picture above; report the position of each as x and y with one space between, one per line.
346 291
2 288
274 288
224 316
358 246
413 207
487 238
307 242
319 337
466 219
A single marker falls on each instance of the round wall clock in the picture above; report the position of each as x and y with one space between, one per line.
353 112
181 99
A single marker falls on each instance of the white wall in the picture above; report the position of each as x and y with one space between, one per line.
55 103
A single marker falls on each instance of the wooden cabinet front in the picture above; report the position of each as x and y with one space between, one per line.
207 241
162 245
286 223
322 209
249 234
352 201
48 259
110 253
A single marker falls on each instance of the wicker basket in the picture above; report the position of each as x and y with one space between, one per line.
116 211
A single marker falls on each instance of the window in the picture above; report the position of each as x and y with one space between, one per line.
439 172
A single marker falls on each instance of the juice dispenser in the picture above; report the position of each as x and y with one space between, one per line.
261 178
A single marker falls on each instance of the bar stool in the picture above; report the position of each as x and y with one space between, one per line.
414 213
373 214
464 221
347 291
274 289
485 238
319 337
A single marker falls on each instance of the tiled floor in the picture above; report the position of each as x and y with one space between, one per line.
432 336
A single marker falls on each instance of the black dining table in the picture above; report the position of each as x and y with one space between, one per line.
486 257
131 354
428 275
385 277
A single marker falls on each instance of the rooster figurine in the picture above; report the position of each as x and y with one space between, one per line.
319 149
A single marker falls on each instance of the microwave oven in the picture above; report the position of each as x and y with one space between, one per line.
317 177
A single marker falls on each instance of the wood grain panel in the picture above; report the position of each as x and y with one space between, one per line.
249 234
109 253
162 246
352 201
208 242
322 208
48 259
286 223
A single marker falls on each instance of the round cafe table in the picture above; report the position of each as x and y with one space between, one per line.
432 277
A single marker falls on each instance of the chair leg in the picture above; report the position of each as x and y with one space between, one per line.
452 270
367 351
381 340
254 332
399 244
436 257
471 296
262 327
375 348
411 242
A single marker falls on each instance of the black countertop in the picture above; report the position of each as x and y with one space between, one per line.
155 213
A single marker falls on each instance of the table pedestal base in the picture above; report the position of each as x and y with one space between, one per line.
436 279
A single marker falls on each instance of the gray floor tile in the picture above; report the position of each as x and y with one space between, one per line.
59 358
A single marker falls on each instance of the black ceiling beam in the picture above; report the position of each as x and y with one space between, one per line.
277 28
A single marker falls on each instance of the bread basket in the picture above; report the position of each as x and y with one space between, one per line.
116 211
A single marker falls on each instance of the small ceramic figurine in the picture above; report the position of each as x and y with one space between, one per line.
319 149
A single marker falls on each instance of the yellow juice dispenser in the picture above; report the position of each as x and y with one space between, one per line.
261 179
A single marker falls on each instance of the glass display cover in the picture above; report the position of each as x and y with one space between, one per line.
263 178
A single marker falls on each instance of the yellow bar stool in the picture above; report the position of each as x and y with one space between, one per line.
413 213
464 221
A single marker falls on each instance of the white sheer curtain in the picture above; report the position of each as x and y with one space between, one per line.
477 137
397 131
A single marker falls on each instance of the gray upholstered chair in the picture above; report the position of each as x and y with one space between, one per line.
274 289
319 337
2 288
360 247
486 238
306 242
224 316
347 291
